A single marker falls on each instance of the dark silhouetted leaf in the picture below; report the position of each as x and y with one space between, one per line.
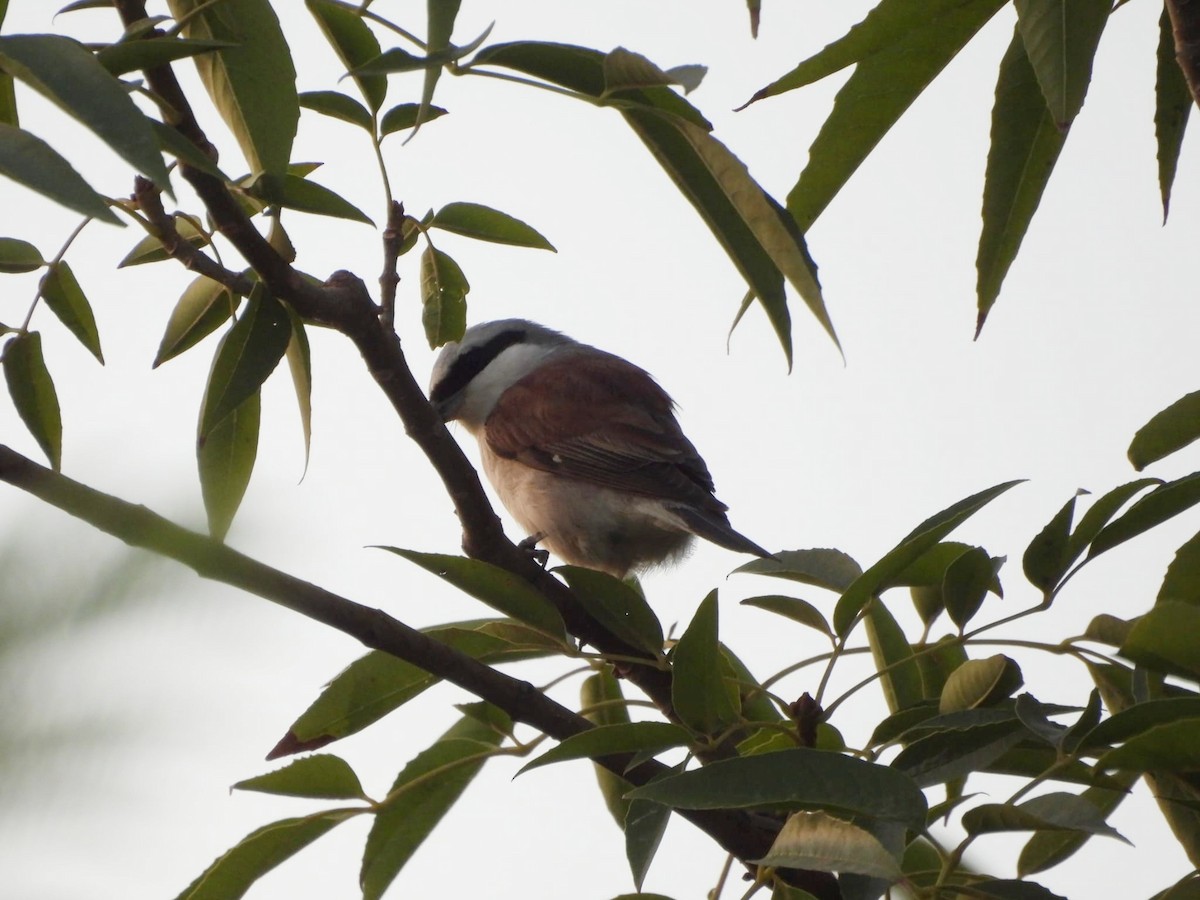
826 568
1172 104
404 115
33 395
337 105
1165 639
31 162
1061 37
148 53
19 256
1045 561
1162 503
617 606
604 740
354 44
1170 430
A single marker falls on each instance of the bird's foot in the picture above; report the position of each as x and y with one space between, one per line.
530 546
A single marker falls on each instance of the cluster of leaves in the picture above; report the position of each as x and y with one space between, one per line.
856 809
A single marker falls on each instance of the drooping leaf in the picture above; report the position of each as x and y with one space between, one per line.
31 162
33 395
980 682
701 695
1025 147
422 794
337 105
225 455
897 50
253 83
293 192
794 779
486 224
245 357
353 42
404 115
816 840
1172 104
444 290
823 567
66 299
792 608
1167 431
966 584
604 740
1050 812
617 606
1162 503
148 53
321 776
1047 848
299 358
900 677
602 703
18 256
441 15
1060 38
918 541
496 587
1165 639
65 72
201 309
645 824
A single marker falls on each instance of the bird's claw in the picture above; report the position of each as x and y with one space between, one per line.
530 546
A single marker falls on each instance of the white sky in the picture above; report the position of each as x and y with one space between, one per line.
1093 333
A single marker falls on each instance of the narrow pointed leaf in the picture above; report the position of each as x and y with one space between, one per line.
795 779
1101 512
1047 848
605 740
1171 746
202 308
150 249
337 105
1055 811
259 852
422 794
1025 147
898 50
792 608
147 53
252 84
441 15
1165 639
299 358
320 777
901 678
1172 104
1161 504
65 72
602 703
486 224
293 192
702 697
444 290
823 567
617 606
246 356
354 44
645 825
31 162
226 455
921 539
819 841
66 299
172 142
18 256
496 587
1139 718
947 755
1060 38
1083 726
33 395
404 115
1172 429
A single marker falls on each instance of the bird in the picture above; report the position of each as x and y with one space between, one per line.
582 447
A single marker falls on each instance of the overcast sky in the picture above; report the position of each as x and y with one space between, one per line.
1093 333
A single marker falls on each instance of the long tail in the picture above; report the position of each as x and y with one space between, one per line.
714 526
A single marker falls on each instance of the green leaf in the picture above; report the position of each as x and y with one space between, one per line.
337 105
245 357
66 299
31 162
1083 726
819 841
299 358
226 455
1049 847
202 308
603 703
1182 581
792 608
1012 889
149 53
444 290
937 662
966 584
920 540
422 794
441 15
794 779
65 72
900 677
619 608
231 875
1025 147
171 141
947 755
980 682
486 224
321 777
702 697
18 256
1165 639
150 249
8 101
645 823
1035 716
1172 104
1174 746
1060 38
252 84
404 115
897 50
606 740
496 587
577 68
354 44
1170 430
1045 561
823 567
1101 512
1162 503
33 395
1057 811
293 192
1139 718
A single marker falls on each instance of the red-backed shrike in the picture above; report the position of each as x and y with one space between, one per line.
582 447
